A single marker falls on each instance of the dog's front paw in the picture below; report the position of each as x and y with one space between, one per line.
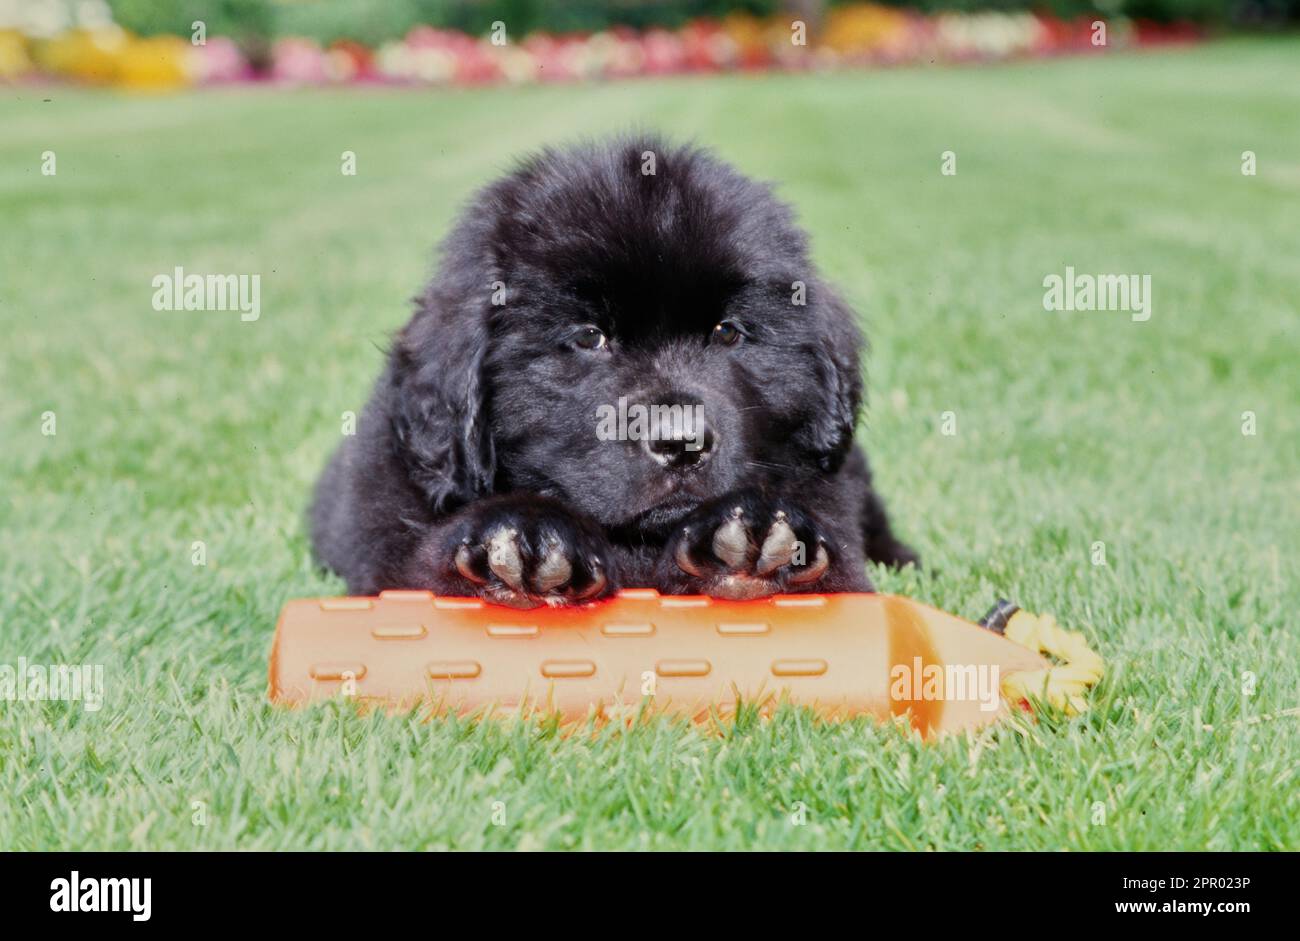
749 547
526 553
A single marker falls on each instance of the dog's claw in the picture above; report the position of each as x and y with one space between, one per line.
682 556
554 569
778 547
504 559
598 581
465 565
820 563
731 542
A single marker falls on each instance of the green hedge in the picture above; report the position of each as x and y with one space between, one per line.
240 18
374 21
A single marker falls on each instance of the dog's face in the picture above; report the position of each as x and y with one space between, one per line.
642 341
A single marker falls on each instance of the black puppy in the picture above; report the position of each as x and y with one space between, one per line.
626 373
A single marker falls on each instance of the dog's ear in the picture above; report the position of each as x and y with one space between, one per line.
439 405
828 435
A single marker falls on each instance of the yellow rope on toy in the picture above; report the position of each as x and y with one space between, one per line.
1062 685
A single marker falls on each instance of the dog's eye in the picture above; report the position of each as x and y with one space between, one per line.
726 333
590 338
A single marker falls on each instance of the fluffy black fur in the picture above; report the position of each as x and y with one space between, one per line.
483 425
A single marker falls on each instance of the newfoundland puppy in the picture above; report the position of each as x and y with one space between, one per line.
626 373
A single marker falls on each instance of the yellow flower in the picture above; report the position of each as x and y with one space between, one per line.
156 62
14 60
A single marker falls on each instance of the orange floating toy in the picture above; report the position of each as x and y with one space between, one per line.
841 654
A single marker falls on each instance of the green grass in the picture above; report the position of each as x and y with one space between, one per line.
1072 428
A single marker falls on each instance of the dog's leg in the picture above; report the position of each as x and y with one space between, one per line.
879 542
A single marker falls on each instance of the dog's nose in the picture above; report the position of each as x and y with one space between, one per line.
676 448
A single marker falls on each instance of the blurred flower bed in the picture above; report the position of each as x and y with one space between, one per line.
83 44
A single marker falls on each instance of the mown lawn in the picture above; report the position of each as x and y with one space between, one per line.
1071 429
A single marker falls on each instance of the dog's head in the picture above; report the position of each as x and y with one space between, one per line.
631 328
